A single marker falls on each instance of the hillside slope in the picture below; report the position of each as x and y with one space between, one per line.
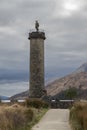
77 79
82 68
22 95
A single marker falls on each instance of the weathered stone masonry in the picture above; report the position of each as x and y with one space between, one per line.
36 64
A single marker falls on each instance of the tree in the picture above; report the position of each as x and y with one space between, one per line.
71 93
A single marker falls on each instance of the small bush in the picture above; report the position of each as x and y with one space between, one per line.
15 117
29 114
36 103
78 116
45 104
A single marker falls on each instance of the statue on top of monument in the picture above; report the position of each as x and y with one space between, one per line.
37 26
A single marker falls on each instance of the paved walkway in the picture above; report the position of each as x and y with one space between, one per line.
54 119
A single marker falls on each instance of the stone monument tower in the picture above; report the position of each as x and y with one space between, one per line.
36 62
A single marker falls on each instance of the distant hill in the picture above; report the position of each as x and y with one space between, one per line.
22 95
4 98
77 79
82 68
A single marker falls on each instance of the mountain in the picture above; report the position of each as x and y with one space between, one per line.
22 95
82 68
4 98
77 79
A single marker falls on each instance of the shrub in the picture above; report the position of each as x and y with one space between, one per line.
45 105
78 116
29 114
36 103
15 117
71 93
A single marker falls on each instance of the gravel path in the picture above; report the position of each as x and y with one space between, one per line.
54 119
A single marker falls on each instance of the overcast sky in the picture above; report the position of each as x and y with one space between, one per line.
65 25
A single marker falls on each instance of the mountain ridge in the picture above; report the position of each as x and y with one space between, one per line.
3 97
77 79
82 68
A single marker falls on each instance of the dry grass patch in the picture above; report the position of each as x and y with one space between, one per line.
78 116
16 117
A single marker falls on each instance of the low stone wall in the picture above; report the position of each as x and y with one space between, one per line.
61 103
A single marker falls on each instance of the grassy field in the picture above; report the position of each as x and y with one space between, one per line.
78 116
19 117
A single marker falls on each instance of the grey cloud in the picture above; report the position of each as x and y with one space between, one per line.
9 89
14 59
65 46
66 36
23 10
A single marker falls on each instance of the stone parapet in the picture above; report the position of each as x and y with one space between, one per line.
35 35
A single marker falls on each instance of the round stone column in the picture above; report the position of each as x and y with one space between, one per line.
36 64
